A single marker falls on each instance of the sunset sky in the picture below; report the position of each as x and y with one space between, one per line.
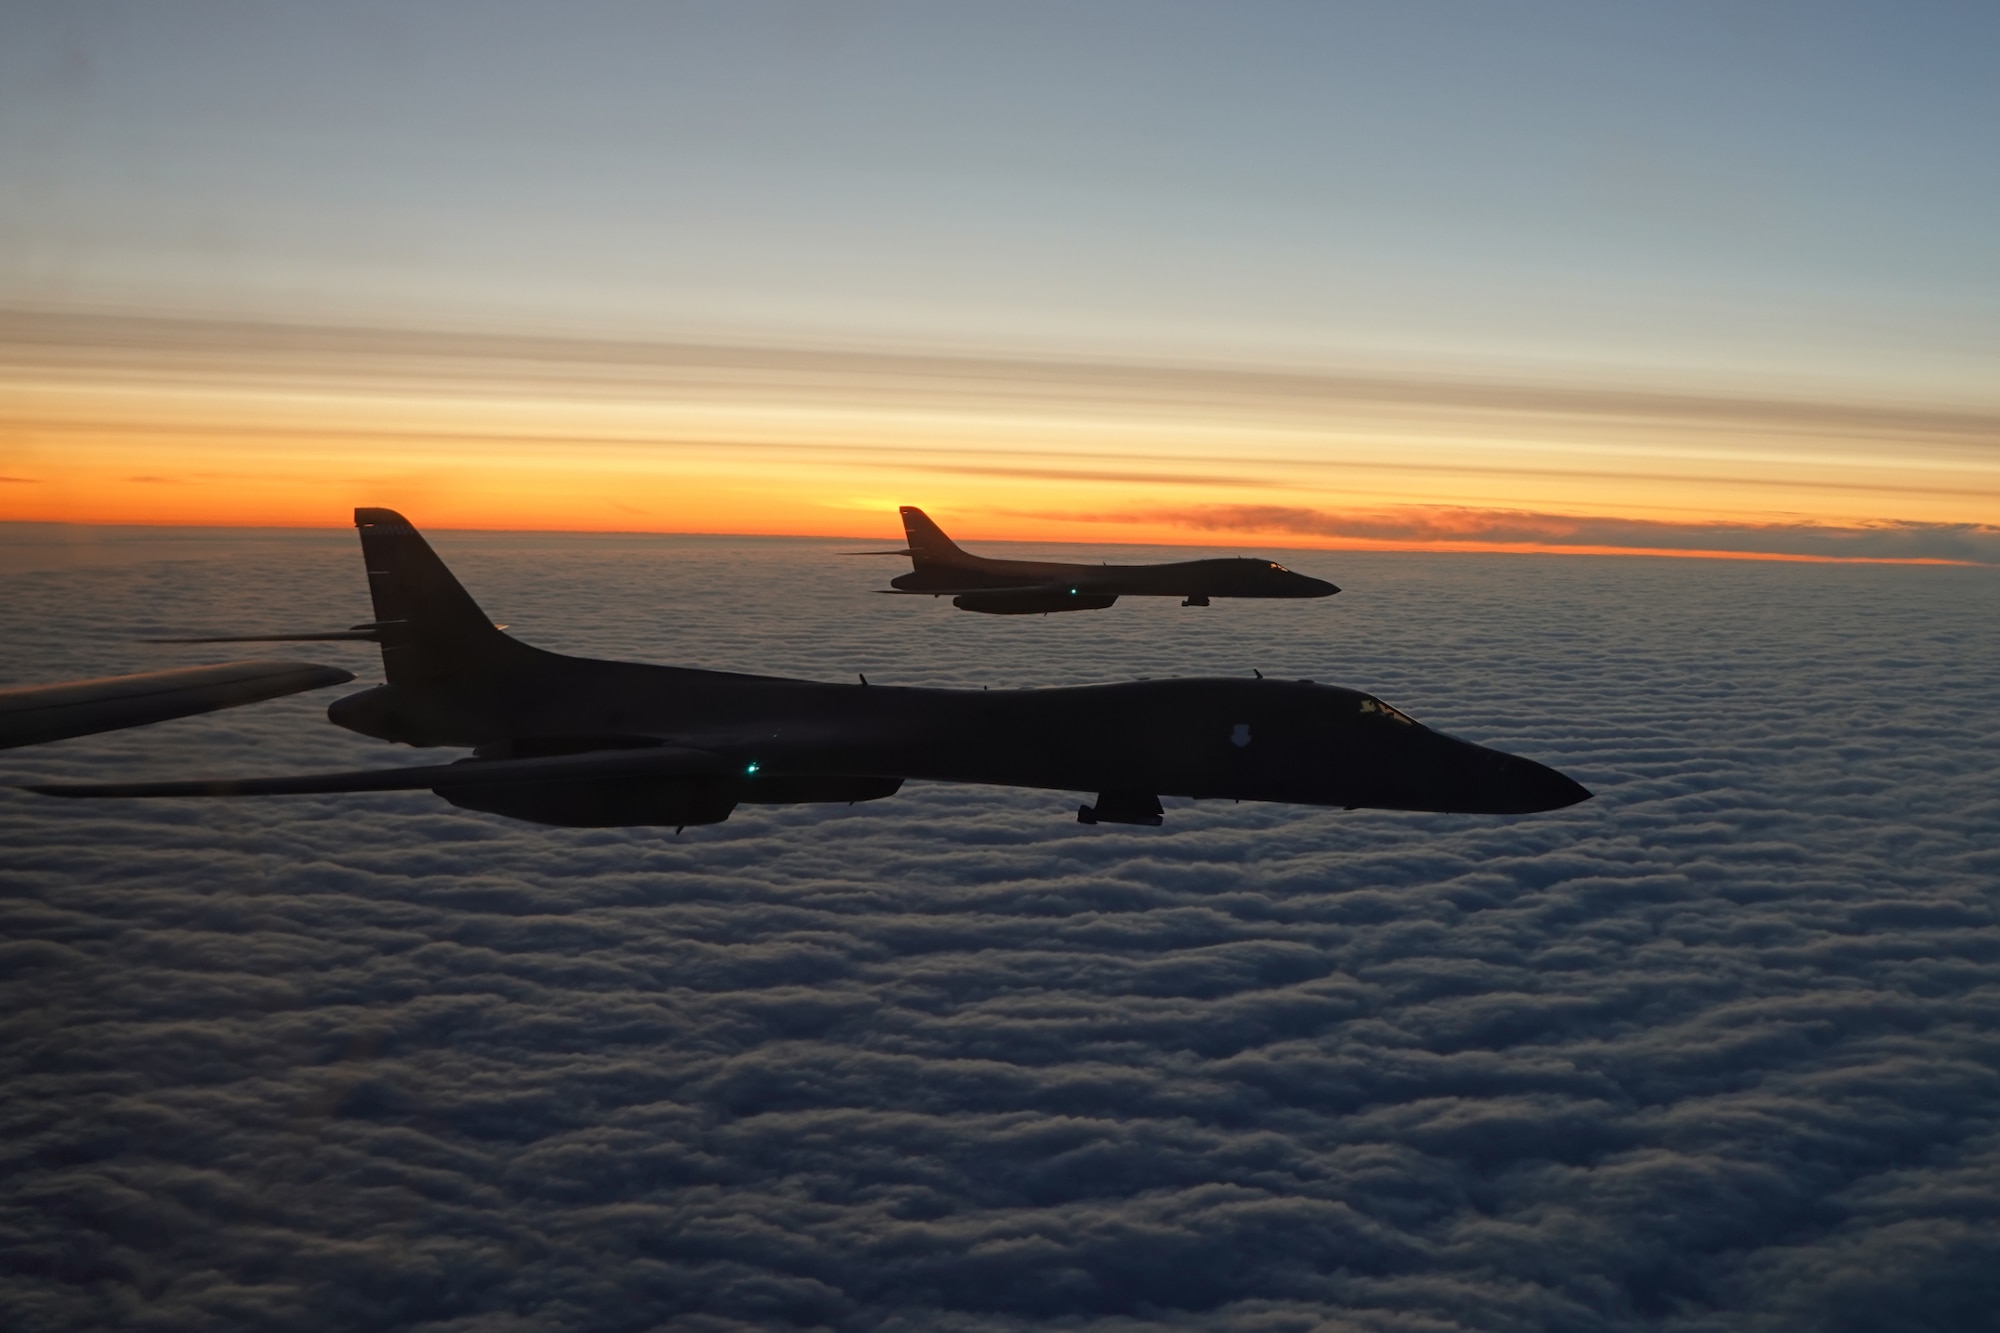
1694 278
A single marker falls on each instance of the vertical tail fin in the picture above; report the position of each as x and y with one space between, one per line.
428 624
928 544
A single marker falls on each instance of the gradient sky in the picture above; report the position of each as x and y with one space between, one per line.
1340 273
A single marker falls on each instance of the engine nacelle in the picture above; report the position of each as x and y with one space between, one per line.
802 790
1032 601
604 802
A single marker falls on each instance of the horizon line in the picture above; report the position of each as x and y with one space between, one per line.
1357 545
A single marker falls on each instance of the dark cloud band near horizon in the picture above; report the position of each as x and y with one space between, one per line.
1445 527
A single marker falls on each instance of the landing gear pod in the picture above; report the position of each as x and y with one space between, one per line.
1123 807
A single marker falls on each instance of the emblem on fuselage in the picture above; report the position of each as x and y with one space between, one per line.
1240 737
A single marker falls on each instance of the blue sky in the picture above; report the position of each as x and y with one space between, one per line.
1784 194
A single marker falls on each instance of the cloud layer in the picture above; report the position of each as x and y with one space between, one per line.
1714 1051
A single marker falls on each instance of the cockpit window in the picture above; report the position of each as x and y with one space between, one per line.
1371 706
1280 568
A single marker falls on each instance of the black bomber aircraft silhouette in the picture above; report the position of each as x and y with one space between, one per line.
1030 587
588 743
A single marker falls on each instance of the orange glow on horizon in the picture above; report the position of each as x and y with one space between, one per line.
1166 538
129 422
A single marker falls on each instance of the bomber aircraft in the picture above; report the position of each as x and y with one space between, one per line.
588 743
1030 587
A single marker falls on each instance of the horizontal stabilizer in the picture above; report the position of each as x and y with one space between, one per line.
37 713
661 761
905 551
325 636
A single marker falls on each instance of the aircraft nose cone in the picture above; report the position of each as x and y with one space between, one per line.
1548 789
1494 782
1524 787
1312 587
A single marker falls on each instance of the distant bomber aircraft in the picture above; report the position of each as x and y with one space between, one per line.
586 743
1027 587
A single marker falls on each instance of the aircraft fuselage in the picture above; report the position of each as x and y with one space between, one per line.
1264 740
941 567
1229 576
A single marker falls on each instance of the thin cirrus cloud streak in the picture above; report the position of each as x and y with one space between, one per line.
1446 529
263 424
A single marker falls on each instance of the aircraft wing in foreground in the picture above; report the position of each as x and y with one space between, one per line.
591 743
33 714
